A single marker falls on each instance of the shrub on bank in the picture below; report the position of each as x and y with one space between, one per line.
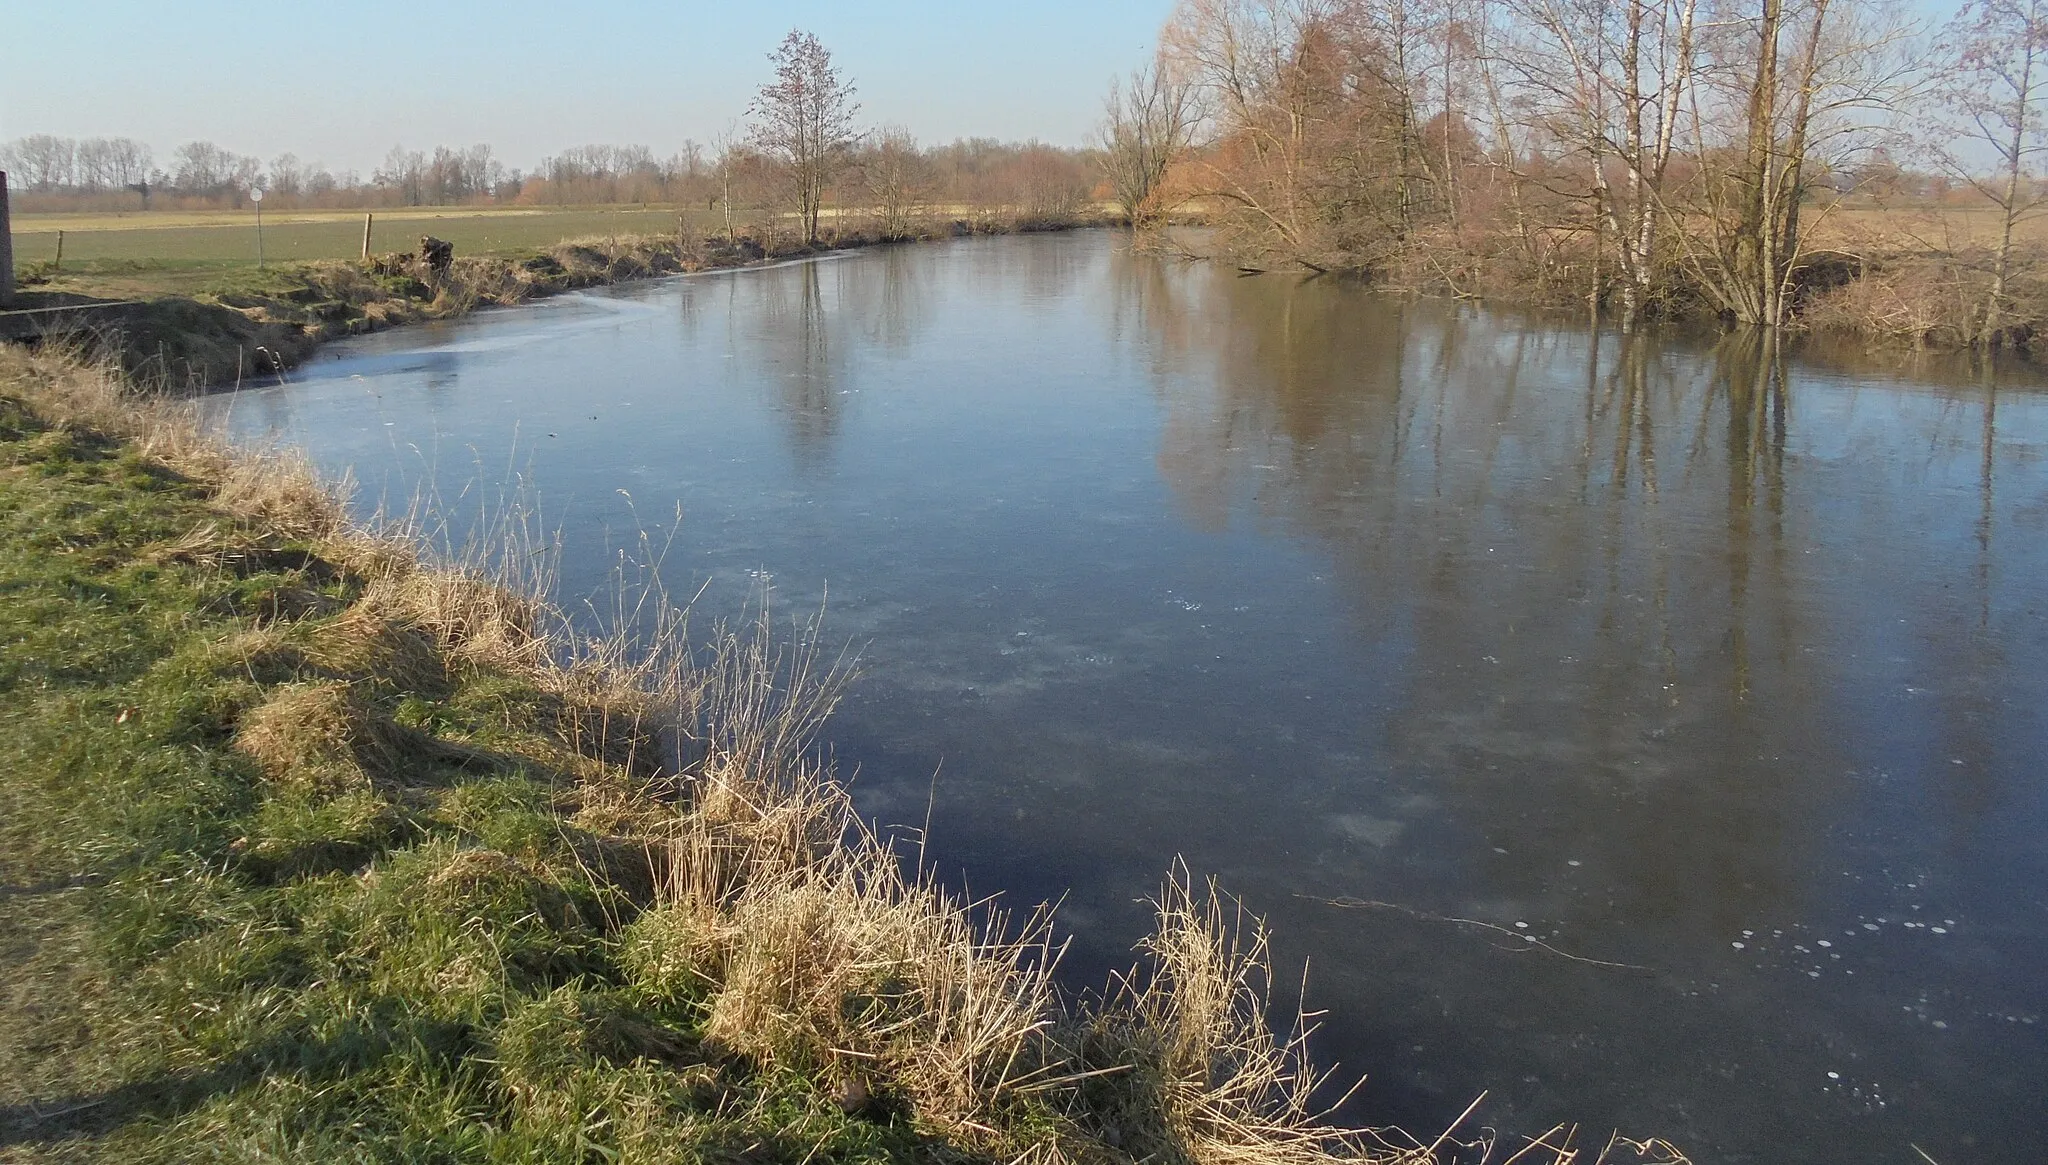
1938 300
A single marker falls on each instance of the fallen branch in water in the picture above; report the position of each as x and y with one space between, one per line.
1529 940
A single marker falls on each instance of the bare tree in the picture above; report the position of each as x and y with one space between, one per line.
456 176
206 169
403 172
1044 186
604 173
1792 90
897 179
1312 141
287 176
1615 77
1997 54
804 120
1148 127
728 166
42 161
111 163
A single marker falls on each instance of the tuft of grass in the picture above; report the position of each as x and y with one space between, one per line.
320 738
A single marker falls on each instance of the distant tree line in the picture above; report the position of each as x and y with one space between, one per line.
887 169
42 162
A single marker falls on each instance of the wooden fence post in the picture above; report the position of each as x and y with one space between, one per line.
6 248
367 220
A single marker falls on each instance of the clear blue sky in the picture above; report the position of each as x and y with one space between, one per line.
341 83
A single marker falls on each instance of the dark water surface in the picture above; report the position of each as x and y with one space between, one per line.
1654 653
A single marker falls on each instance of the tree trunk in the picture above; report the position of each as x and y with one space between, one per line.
1791 183
2014 156
1754 231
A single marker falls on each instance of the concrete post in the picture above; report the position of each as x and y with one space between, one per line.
6 248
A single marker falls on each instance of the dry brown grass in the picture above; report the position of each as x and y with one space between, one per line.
1927 224
275 489
884 988
1221 1085
470 619
1923 276
321 737
1914 302
817 948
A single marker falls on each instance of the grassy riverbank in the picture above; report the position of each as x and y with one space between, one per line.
181 327
312 849
181 334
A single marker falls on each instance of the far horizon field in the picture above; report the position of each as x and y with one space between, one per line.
211 240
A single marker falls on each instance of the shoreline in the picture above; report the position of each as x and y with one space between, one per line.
1836 326
263 322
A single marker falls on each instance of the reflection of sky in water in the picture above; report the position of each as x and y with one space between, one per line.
1660 654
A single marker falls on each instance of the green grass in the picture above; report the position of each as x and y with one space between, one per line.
231 242
380 946
195 326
